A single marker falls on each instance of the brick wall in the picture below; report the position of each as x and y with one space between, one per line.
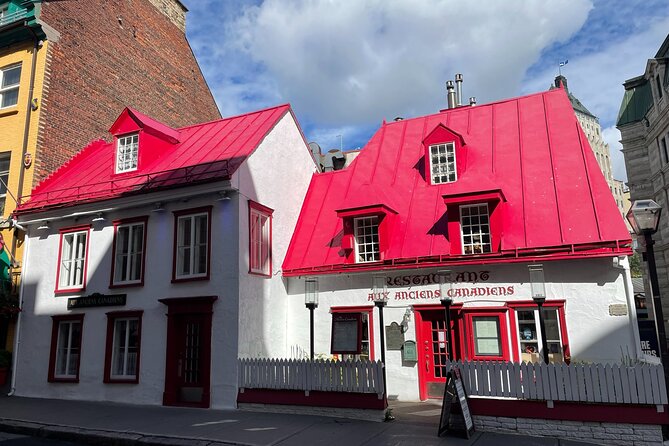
112 54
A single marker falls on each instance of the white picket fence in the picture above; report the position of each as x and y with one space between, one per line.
305 375
591 383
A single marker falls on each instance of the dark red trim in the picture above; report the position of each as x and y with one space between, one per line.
111 318
596 412
128 221
557 303
498 312
441 134
181 213
369 309
56 320
315 398
268 212
365 211
63 232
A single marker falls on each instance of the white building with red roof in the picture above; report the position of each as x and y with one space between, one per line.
150 260
479 193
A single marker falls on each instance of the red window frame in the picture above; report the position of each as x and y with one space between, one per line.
117 223
494 199
182 213
63 232
258 208
56 320
348 216
443 135
527 304
501 314
370 322
112 316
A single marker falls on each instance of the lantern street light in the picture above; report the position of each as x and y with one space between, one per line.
644 217
445 288
379 293
311 302
538 287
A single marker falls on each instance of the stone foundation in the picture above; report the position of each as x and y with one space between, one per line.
593 432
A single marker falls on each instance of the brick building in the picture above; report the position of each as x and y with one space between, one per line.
68 69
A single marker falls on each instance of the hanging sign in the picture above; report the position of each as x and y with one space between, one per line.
455 414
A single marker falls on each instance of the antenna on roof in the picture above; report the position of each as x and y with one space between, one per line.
341 142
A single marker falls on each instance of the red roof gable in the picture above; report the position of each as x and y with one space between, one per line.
529 152
203 152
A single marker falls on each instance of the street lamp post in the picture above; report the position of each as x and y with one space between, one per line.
644 217
538 287
445 286
379 292
311 302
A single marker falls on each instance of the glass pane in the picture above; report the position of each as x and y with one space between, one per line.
10 97
118 360
11 77
486 335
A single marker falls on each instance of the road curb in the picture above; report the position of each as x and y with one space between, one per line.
103 437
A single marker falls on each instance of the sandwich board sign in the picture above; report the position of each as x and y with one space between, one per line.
455 415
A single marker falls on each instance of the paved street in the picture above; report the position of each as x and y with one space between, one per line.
119 424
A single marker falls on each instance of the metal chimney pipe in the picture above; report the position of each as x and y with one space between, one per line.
458 89
472 101
450 89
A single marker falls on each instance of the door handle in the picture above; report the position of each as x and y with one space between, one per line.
427 363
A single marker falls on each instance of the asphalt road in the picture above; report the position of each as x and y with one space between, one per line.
22 440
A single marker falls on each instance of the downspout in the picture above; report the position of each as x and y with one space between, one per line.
19 194
26 126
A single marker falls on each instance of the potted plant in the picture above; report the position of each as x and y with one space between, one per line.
5 364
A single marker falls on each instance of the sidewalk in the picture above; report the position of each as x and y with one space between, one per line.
120 424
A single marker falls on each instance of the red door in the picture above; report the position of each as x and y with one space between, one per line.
433 351
188 355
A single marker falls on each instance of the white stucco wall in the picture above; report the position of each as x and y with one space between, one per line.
248 316
589 287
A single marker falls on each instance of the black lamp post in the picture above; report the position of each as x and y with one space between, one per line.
644 217
538 286
445 286
311 302
379 292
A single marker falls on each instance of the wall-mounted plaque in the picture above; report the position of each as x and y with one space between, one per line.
394 336
96 300
409 352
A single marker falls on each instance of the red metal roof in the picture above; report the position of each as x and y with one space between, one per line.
531 149
168 158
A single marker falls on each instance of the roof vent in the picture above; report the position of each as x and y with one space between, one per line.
399 118
472 101
458 90
450 91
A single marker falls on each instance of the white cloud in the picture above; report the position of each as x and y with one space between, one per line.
611 136
344 63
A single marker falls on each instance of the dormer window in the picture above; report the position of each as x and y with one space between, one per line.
475 224
366 230
442 163
127 151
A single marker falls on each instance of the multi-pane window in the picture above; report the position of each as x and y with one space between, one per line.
366 231
192 250
260 243
442 163
10 77
126 153
474 220
66 348
125 348
529 334
4 177
72 270
663 150
487 338
129 253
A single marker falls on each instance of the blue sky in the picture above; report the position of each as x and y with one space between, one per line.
347 65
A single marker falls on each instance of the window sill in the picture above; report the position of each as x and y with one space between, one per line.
9 111
260 274
121 381
190 279
126 285
69 291
64 380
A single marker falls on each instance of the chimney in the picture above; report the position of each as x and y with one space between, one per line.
472 101
450 89
561 82
458 90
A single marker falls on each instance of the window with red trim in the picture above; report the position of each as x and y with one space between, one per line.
526 325
129 252
260 239
367 232
352 334
488 339
122 353
444 155
72 259
65 355
192 244
475 222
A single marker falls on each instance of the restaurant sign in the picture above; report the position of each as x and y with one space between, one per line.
96 300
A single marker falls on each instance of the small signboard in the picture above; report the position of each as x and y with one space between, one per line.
394 336
346 333
96 300
455 414
409 352
648 335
